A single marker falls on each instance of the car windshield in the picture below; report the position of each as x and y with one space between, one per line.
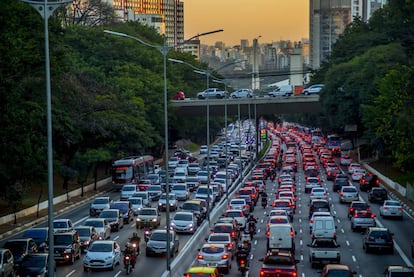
83 232
222 229
63 239
94 223
184 217
234 214
100 201
135 201
34 261
100 247
160 236
190 207
380 235
16 247
277 260
108 214
218 238
153 188
129 188
179 187
60 225
212 249
148 212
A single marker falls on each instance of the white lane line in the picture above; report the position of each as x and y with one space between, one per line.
118 273
70 273
353 258
342 230
80 220
301 257
301 242
300 230
347 243
303 274
300 220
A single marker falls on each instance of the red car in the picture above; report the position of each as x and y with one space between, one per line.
179 96
279 263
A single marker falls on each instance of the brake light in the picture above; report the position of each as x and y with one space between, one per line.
262 273
294 274
351 209
334 234
200 257
242 261
356 215
224 257
372 215
386 208
400 209
311 221
267 233
292 234
342 194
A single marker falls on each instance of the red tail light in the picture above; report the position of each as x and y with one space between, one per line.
242 261
292 234
334 234
267 233
386 208
262 273
342 194
372 215
224 257
356 215
200 257
400 209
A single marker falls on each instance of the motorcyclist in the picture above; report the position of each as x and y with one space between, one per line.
135 239
252 220
272 174
131 251
242 254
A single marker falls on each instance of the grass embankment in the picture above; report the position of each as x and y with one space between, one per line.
393 173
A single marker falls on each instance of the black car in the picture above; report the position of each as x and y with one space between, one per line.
377 195
378 239
35 265
368 181
21 248
125 207
319 205
281 261
67 246
357 206
340 181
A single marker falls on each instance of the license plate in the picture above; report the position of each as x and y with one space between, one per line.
379 240
212 265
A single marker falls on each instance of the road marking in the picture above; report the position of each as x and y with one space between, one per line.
301 242
300 220
80 220
301 257
300 230
347 243
70 273
342 230
303 274
353 258
115 238
118 273
339 221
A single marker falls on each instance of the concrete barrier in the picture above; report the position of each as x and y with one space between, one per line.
59 199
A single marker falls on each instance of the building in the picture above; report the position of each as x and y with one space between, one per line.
328 20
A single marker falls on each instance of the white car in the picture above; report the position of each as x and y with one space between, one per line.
136 203
101 226
184 222
237 215
242 93
348 194
318 193
203 149
315 215
62 225
358 174
391 208
102 254
352 167
313 89
239 204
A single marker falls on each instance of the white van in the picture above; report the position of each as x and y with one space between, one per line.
285 90
281 236
324 227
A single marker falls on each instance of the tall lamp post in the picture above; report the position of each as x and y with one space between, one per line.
163 49
46 9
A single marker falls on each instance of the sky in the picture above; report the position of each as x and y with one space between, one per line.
273 20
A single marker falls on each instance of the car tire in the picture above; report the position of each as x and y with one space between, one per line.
72 258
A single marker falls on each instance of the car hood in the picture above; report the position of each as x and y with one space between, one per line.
182 222
157 244
99 255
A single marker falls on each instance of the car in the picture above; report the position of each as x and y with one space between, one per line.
315 215
184 222
340 181
202 271
285 90
312 182
114 218
377 195
40 236
157 243
391 208
154 192
172 201
67 246
362 219
127 191
125 209
62 225
87 235
148 217
342 270
345 160
357 174
277 219
239 204
319 205
226 227
223 238
179 96
195 206
155 178
215 255
181 191
203 149
144 184
357 206
368 181
352 167
136 204
238 215
102 254
6 263
279 262
398 271
378 238
145 197
348 194
318 193
20 248
101 226
36 264
242 93
98 204
313 89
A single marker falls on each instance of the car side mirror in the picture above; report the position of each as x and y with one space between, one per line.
261 260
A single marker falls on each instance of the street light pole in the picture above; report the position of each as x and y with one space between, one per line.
46 9
163 49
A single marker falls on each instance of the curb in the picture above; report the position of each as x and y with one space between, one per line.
45 218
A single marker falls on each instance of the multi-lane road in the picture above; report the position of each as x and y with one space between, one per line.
364 264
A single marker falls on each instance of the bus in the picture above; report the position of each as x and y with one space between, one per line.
334 144
130 170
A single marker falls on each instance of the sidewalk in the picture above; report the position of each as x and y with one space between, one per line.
6 229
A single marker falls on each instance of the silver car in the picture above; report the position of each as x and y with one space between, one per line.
392 208
102 254
136 203
362 219
184 222
215 255
348 194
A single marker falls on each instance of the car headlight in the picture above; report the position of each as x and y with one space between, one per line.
138 219
154 220
172 224
159 204
191 225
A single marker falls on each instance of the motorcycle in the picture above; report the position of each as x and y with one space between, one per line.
128 263
252 230
147 234
242 266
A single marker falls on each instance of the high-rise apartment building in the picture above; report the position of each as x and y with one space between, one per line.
328 20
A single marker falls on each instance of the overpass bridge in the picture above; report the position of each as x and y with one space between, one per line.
256 106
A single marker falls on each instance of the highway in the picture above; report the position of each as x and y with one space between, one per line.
364 264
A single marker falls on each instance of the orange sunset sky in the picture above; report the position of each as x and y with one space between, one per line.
273 20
